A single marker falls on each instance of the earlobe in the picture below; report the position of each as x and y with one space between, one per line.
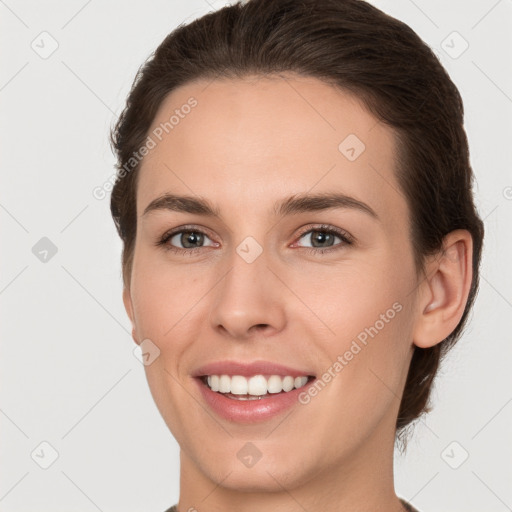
445 290
128 306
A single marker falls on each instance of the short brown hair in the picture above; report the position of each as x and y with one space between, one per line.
351 45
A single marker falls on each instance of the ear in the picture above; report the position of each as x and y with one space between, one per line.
128 306
444 292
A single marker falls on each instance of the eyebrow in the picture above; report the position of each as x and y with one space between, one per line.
294 204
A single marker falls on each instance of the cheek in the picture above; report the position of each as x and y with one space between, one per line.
167 302
368 310
353 295
365 360
162 294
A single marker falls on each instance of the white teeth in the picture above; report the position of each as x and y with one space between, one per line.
256 385
288 383
239 385
275 384
225 384
214 382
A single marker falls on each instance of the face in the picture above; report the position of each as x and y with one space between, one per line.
304 261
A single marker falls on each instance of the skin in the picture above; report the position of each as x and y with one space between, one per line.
248 143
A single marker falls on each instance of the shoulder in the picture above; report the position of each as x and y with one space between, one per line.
406 505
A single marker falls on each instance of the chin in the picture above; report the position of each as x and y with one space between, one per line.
269 474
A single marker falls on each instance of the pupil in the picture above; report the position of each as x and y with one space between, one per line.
322 238
191 239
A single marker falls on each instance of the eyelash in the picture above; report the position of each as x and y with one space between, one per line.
345 237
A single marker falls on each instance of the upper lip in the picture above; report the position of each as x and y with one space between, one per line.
248 369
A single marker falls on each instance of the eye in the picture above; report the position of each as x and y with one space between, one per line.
186 240
323 239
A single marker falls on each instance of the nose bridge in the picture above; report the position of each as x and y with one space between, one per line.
246 296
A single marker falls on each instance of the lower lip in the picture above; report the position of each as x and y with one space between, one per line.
250 411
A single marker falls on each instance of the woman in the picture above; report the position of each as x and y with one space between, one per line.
300 248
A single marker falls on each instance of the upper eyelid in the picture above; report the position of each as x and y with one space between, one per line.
324 227
182 229
342 234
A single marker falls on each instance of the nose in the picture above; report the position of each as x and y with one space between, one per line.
248 300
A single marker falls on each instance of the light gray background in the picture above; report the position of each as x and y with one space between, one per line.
68 373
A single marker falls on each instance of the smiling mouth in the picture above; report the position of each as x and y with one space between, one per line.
256 387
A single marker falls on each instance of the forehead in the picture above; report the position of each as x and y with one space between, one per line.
246 141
